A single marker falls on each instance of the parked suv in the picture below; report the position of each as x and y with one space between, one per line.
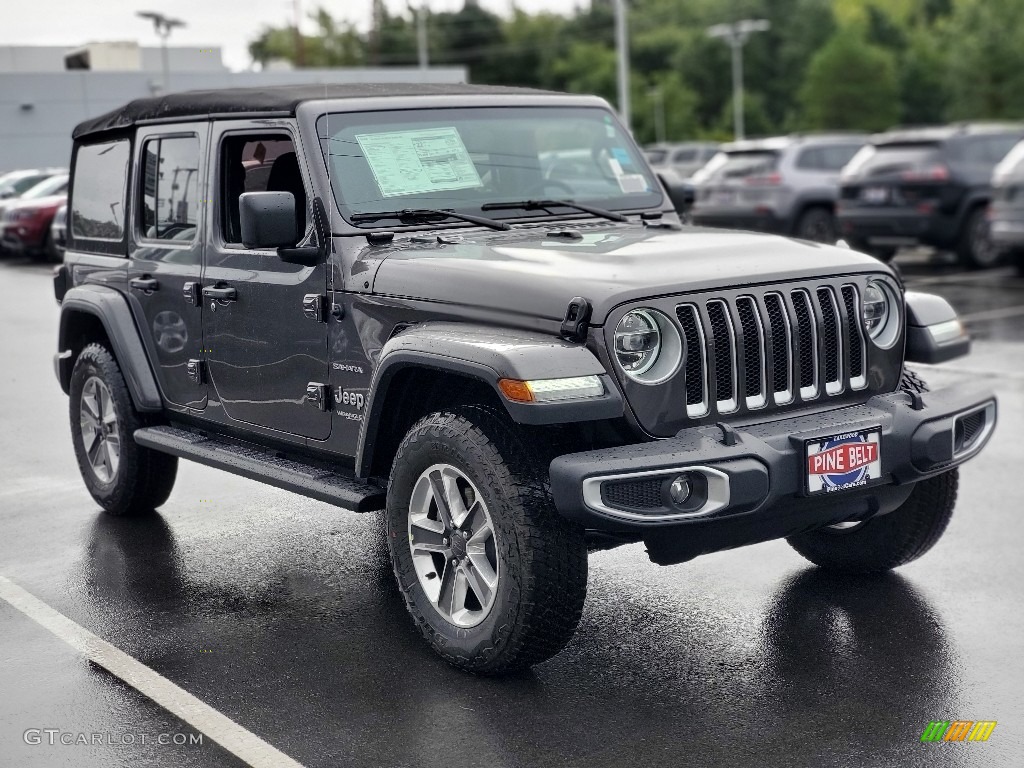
925 187
25 222
376 296
787 185
1006 211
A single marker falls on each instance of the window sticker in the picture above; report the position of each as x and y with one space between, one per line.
632 183
622 156
413 162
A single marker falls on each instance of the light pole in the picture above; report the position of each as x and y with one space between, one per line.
658 103
163 26
421 35
735 36
622 50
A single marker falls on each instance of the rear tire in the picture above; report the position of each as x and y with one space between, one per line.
975 248
887 541
124 478
819 225
530 567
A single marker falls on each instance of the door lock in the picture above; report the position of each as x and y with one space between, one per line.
318 395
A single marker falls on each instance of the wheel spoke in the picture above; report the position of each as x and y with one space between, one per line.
93 452
475 519
90 406
444 511
89 443
428 539
481 578
480 536
446 597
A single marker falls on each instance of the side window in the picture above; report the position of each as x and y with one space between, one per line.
835 157
260 163
999 146
170 189
98 190
975 150
810 159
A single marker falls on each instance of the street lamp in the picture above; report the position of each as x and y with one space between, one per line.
622 50
736 35
163 26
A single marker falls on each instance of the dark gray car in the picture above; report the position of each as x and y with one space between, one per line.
1006 211
423 300
927 186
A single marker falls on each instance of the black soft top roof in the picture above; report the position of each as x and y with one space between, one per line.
278 99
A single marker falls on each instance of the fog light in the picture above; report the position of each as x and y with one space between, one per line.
680 490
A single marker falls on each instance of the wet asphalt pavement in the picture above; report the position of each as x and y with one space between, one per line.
280 613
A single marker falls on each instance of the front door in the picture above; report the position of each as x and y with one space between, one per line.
168 230
262 349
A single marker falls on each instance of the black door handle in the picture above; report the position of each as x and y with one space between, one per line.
144 283
220 293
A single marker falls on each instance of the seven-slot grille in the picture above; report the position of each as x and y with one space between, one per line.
752 351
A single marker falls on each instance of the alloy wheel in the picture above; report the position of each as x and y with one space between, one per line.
101 437
451 538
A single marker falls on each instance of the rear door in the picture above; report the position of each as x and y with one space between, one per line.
168 215
263 349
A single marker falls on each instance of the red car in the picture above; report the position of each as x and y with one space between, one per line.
26 226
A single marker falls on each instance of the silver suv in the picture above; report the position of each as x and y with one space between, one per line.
1006 211
787 184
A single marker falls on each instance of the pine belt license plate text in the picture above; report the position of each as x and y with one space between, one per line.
844 461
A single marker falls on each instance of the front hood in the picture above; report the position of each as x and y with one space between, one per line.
528 271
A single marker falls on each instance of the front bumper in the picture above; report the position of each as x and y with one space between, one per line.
751 479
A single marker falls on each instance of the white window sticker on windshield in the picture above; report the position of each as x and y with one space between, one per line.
412 162
632 183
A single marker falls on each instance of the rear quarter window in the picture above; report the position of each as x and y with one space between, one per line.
98 191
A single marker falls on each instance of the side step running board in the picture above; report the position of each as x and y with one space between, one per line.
336 488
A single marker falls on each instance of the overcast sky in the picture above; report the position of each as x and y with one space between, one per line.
230 24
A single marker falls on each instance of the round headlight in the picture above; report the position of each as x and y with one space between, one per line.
880 313
647 346
637 341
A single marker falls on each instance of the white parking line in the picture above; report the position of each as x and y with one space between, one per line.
234 738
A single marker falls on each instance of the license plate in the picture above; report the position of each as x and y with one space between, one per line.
874 195
723 196
844 461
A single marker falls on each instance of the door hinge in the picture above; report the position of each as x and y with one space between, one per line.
313 307
194 368
318 395
190 291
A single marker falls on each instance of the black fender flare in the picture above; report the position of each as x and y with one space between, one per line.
487 355
111 308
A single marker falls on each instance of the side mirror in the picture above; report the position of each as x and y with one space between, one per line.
934 333
267 219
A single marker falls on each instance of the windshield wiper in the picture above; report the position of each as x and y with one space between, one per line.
544 205
426 214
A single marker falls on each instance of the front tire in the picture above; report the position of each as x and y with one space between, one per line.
493 577
818 224
887 541
124 478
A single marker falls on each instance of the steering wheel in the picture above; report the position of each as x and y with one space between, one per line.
540 188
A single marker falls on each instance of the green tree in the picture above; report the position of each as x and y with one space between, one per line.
851 85
986 59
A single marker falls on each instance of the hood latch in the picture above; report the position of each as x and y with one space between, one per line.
576 321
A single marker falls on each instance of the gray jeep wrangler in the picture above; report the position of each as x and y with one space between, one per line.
475 309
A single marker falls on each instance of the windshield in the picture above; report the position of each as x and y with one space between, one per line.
464 159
